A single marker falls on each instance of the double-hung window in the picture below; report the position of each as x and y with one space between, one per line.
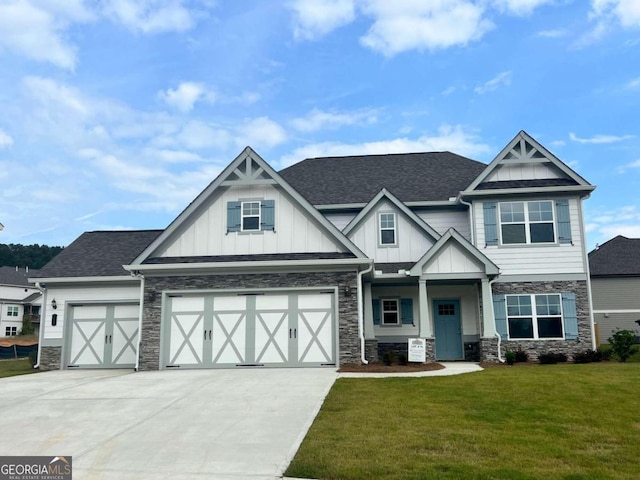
390 312
11 331
250 216
12 310
534 316
527 222
387 223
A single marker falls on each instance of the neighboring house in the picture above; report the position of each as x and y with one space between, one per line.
335 260
615 280
17 298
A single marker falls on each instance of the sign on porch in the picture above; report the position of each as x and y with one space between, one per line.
417 350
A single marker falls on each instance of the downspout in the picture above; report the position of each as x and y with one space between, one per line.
585 257
493 314
361 311
43 311
472 230
141 309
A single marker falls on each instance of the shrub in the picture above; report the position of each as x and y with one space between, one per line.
522 356
623 344
403 359
605 354
510 357
389 357
27 326
33 357
551 358
587 356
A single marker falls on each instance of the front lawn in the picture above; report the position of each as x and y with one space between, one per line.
570 422
10 368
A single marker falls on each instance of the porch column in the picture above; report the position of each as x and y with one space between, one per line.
368 313
425 312
488 318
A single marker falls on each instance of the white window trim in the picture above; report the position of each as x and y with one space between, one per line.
243 216
395 229
397 311
534 317
527 223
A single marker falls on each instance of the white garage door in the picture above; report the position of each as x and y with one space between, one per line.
102 336
230 330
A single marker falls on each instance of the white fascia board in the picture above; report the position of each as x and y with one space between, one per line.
247 265
358 206
587 189
119 278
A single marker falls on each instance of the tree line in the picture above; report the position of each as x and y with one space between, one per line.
33 256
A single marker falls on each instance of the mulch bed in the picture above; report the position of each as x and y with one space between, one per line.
377 367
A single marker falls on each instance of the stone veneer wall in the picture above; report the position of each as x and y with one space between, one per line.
488 346
403 347
50 358
349 342
371 349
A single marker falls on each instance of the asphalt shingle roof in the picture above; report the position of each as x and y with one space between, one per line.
11 276
99 254
429 176
618 256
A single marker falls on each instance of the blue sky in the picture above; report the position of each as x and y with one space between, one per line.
115 114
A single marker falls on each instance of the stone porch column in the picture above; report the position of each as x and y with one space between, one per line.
488 318
426 330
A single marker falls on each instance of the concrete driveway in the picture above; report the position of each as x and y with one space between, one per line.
223 424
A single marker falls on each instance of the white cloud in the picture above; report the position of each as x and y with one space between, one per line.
326 120
605 224
519 7
628 166
151 16
448 90
420 25
5 139
35 29
552 33
260 132
597 139
186 95
448 138
316 18
558 143
635 83
625 12
500 80
198 135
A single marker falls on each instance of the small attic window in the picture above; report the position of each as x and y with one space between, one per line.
250 216
387 222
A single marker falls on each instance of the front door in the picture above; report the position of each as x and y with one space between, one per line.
448 331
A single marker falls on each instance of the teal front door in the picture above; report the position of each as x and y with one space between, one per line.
448 330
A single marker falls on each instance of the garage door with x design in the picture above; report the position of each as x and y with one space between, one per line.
229 330
102 336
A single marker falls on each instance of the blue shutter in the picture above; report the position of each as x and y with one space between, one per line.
564 221
490 223
376 311
268 214
406 310
233 216
570 316
500 313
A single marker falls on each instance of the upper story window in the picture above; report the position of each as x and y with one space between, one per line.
250 216
387 223
527 222
12 310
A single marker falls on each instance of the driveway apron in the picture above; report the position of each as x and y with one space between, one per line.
167 424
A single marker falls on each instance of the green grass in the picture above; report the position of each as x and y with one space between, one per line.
571 422
635 358
10 368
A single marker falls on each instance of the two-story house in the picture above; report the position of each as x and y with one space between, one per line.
332 261
18 298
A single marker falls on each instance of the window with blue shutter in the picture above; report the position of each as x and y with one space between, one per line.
268 215
564 221
406 311
233 216
376 311
490 223
500 314
570 316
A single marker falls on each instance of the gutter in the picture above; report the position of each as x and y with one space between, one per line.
140 312
361 312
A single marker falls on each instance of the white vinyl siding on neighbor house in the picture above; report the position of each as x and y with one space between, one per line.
544 259
412 242
295 230
616 293
62 295
442 220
